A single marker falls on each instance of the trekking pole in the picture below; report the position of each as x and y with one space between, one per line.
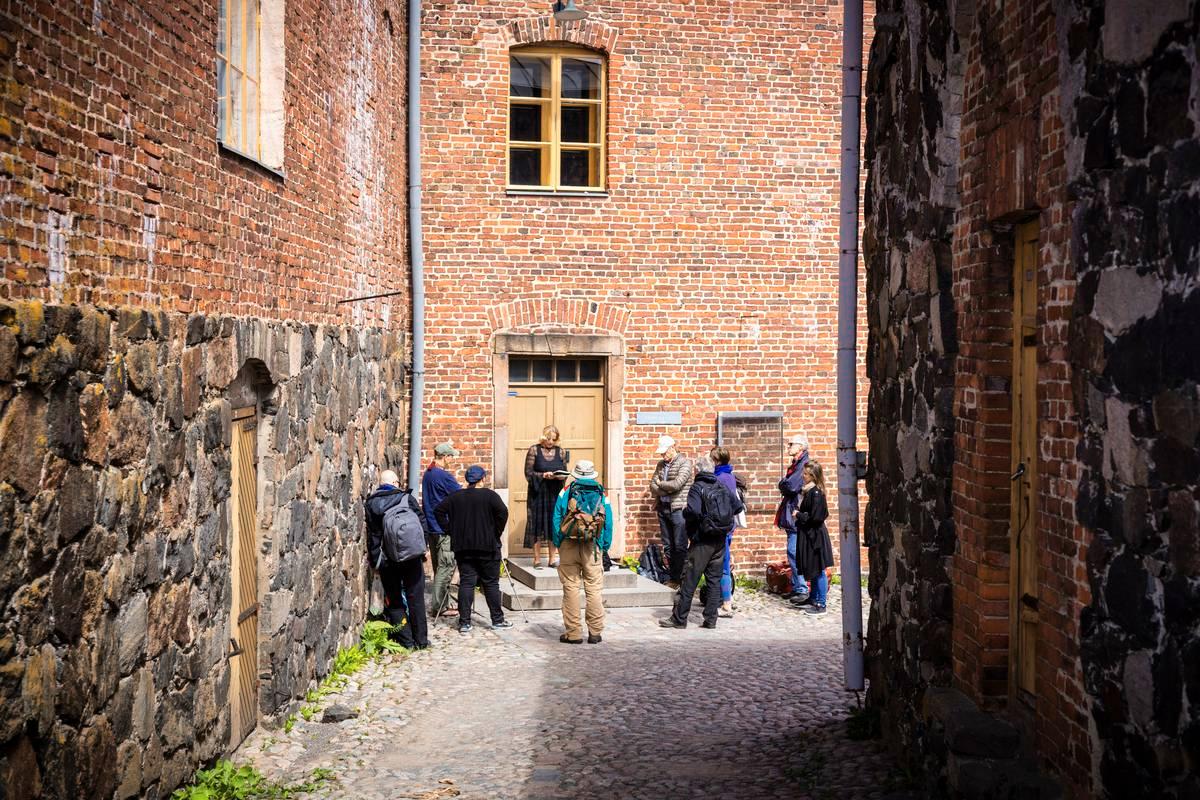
513 584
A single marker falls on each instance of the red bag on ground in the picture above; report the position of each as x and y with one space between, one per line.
779 578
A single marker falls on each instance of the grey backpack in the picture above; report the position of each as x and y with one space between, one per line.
403 536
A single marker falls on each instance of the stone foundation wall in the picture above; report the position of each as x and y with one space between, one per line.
115 530
913 89
1133 71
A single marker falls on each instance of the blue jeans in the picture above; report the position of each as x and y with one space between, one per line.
727 572
798 582
820 588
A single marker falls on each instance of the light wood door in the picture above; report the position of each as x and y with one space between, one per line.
577 412
243 684
1024 557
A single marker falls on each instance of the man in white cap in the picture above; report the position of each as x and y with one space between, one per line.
582 531
790 489
672 478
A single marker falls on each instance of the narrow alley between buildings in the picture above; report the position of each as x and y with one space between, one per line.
753 709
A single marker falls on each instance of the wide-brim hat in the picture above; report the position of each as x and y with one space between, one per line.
584 469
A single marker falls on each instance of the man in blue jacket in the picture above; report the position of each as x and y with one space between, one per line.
436 485
579 547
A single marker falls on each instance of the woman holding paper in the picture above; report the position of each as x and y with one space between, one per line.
545 471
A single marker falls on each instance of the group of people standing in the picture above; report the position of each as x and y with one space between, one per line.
678 484
699 505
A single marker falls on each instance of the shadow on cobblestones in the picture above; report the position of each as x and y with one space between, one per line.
753 709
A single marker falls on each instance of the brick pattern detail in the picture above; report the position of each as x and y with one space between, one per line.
114 191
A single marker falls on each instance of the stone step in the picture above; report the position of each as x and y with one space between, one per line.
646 593
544 579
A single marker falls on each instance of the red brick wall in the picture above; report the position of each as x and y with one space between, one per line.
1013 168
110 166
713 254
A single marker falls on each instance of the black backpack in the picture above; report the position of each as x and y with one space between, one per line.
718 507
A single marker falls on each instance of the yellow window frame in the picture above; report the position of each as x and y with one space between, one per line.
552 179
233 66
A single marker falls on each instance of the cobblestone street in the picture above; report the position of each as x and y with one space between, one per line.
753 709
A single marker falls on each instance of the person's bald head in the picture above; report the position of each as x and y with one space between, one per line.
389 477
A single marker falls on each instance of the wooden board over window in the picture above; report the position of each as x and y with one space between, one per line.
556 119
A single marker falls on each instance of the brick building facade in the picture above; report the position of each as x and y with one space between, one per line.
170 353
702 272
1029 332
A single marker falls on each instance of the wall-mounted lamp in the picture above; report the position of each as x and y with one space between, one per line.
565 12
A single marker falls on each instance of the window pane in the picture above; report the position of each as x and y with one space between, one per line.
589 370
580 79
529 76
579 124
525 124
251 136
237 14
236 110
527 165
222 98
518 370
252 38
222 24
578 168
543 370
564 370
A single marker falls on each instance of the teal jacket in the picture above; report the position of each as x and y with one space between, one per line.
560 511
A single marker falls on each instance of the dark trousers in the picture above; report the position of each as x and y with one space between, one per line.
484 570
404 585
705 557
673 532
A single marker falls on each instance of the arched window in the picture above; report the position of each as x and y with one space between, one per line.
556 119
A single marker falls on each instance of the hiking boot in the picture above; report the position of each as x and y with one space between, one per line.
670 622
464 628
568 640
593 638
815 610
708 623
501 624
801 599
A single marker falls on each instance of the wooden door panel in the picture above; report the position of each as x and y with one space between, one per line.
243 685
529 411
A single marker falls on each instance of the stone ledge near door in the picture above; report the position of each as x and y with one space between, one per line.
981 753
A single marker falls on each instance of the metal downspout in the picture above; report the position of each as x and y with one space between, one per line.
416 251
847 355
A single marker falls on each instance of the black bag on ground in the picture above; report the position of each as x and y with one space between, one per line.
651 564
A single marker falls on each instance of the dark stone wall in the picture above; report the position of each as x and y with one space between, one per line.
1131 90
914 85
115 530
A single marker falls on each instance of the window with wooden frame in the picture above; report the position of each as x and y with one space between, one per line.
556 119
250 79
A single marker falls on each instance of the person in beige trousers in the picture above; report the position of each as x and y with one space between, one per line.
582 531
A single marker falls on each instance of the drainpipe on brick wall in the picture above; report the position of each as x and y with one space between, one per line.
416 253
847 350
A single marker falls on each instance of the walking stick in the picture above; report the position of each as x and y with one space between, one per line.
513 584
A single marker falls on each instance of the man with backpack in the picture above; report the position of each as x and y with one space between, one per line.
396 548
710 513
582 531
475 518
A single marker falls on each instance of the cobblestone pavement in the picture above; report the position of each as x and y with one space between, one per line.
753 709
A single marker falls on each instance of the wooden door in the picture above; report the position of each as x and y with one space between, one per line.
1024 541
243 684
577 412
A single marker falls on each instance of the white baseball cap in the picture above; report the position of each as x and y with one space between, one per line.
799 439
665 443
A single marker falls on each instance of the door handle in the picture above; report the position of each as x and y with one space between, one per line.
1020 471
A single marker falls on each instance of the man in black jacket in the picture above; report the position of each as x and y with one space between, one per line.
706 551
403 582
475 518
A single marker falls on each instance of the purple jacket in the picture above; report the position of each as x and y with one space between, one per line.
727 479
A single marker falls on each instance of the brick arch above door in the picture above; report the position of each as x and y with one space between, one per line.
558 314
